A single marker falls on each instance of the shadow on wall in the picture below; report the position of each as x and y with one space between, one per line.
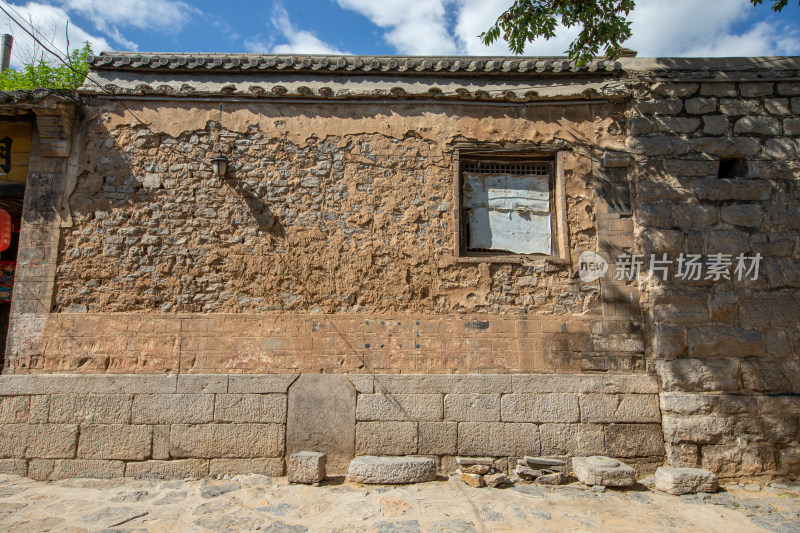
722 325
289 222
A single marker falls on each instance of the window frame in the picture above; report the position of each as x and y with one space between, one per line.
559 237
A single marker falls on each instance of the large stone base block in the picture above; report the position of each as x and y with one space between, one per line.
679 481
391 470
53 469
14 467
175 469
598 470
268 466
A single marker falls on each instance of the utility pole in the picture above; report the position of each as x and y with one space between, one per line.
5 51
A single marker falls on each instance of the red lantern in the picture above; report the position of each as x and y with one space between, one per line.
5 230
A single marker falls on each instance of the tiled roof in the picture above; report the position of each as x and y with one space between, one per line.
343 64
33 96
397 78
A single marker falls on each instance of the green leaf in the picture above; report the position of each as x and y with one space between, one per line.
42 74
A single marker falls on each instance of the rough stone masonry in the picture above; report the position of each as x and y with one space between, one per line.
162 314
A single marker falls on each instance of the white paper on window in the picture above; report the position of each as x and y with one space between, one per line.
508 212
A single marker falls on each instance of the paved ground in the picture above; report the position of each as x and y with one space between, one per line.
257 503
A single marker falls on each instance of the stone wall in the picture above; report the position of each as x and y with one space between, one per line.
330 252
727 350
57 426
327 208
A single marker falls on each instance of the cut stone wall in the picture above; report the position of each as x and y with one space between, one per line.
727 351
66 425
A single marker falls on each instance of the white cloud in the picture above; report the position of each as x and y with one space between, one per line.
107 16
168 16
660 28
691 28
473 18
412 27
760 40
299 41
50 25
424 28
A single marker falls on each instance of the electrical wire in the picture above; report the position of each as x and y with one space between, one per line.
34 28
88 77
443 93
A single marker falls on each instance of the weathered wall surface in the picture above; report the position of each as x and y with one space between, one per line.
728 350
270 343
334 208
58 426
329 248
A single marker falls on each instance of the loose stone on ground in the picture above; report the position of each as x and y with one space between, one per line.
391 470
306 467
253 502
487 471
679 481
473 480
544 462
496 480
604 471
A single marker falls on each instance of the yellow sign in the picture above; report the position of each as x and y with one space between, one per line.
15 151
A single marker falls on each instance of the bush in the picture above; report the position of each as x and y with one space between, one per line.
49 75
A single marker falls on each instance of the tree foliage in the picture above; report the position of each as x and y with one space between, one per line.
41 73
603 24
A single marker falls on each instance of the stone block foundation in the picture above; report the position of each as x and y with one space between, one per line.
90 425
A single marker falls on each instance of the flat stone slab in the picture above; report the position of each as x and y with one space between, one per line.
391 470
605 471
321 412
679 481
475 469
539 462
472 461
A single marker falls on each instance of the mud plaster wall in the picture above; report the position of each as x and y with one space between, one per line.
334 208
329 248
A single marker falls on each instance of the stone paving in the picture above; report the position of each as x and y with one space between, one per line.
259 503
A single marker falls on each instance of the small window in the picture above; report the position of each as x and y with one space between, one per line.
731 168
507 206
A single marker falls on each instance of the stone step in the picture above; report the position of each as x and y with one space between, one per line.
391 470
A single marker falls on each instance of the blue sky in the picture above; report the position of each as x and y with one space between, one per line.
375 27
